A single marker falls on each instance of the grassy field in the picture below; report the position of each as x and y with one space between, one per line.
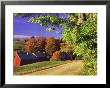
36 67
18 45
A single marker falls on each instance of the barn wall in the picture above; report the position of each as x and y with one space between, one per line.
30 61
24 62
17 60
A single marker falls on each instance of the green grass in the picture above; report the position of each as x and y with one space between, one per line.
18 45
37 66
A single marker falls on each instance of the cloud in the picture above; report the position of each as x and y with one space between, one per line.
21 36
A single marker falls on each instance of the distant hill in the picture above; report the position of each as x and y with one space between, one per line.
21 37
24 37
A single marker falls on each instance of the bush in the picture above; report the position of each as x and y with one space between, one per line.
55 56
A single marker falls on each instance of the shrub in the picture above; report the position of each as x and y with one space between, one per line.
55 56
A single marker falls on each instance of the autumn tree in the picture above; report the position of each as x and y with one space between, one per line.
35 44
40 43
58 42
30 45
51 45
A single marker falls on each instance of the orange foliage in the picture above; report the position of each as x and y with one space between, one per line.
51 46
30 45
41 41
35 44
55 55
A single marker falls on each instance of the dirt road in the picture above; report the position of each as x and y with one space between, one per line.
72 68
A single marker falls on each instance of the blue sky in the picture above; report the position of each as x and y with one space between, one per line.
24 28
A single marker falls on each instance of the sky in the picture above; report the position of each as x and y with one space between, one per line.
22 27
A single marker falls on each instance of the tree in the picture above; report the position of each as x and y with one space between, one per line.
84 37
88 44
67 48
30 45
40 43
35 44
51 45
58 42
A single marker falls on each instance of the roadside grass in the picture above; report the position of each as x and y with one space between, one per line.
21 70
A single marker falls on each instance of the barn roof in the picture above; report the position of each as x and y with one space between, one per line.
26 56
40 54
32 56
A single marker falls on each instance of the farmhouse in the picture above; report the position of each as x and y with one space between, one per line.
25 58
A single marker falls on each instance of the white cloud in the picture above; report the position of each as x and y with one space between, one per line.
21 36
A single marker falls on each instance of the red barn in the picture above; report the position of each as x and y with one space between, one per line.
24 58
17 60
